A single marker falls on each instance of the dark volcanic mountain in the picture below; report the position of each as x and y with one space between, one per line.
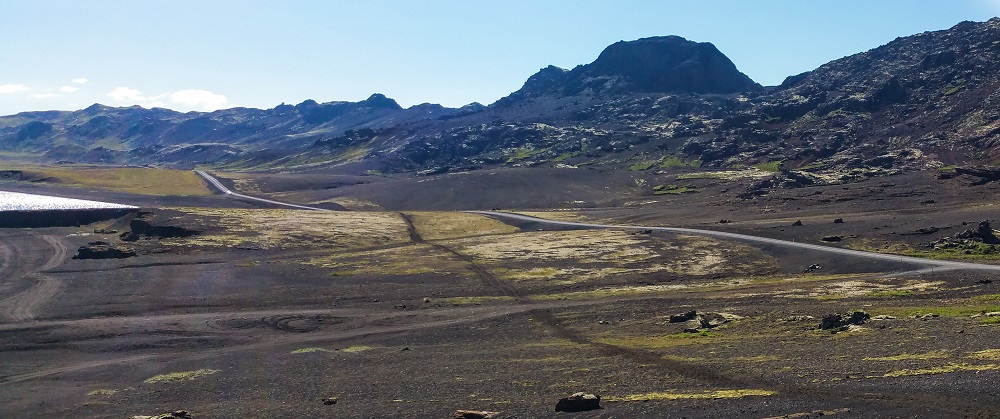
922 101
665 64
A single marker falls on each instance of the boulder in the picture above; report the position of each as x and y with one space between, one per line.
797 223
102 250
842 321
985 232
683 317
330 401
693 325
710 320
579 402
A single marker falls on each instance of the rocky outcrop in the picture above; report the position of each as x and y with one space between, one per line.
969 239
842 322
103 250
695 321
142 229
579 402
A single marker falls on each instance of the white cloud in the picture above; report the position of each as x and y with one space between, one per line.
199 98
80 80
190 99
13 88
68 89
45 95
125 94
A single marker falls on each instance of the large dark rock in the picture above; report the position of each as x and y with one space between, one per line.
143 229
102 250
985 232
579 402
840 321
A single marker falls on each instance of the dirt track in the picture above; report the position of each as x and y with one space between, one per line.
22 306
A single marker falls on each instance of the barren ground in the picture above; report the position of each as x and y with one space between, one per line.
406 311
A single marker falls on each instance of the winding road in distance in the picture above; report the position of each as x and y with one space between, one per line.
929 263
222 188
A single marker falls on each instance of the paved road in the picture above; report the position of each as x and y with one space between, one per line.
939 265
222 188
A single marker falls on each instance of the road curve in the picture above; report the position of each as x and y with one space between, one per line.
222 188
936 264
22 307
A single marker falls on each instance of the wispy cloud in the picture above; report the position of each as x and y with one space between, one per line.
68 89
45 95
80 80
203 99
125 94
13 88
194 99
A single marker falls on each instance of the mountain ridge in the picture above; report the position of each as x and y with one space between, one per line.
918 102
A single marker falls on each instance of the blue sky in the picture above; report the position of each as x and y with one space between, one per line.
209 54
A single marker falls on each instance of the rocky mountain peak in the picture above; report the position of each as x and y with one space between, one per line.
671 64
379 100
663 64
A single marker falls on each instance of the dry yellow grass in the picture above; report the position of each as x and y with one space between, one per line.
557 215
280 228
180 376
912 357
408 260
575 256
942 369
138 180
453 225
711 394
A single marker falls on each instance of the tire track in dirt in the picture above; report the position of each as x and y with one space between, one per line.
21 307
485 276
688 370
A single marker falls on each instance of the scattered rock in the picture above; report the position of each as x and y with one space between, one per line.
579 402
992 314
692 326
143 229
838 221
102 250
969 239
984 281
812 268
884 317
330 400
103 231
473 414
427 300
677 318
695 321
842 321
725 221
798 318
797 223
831 239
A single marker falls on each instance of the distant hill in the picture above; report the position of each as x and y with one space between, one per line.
922 101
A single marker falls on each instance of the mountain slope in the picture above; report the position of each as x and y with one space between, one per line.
922 101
